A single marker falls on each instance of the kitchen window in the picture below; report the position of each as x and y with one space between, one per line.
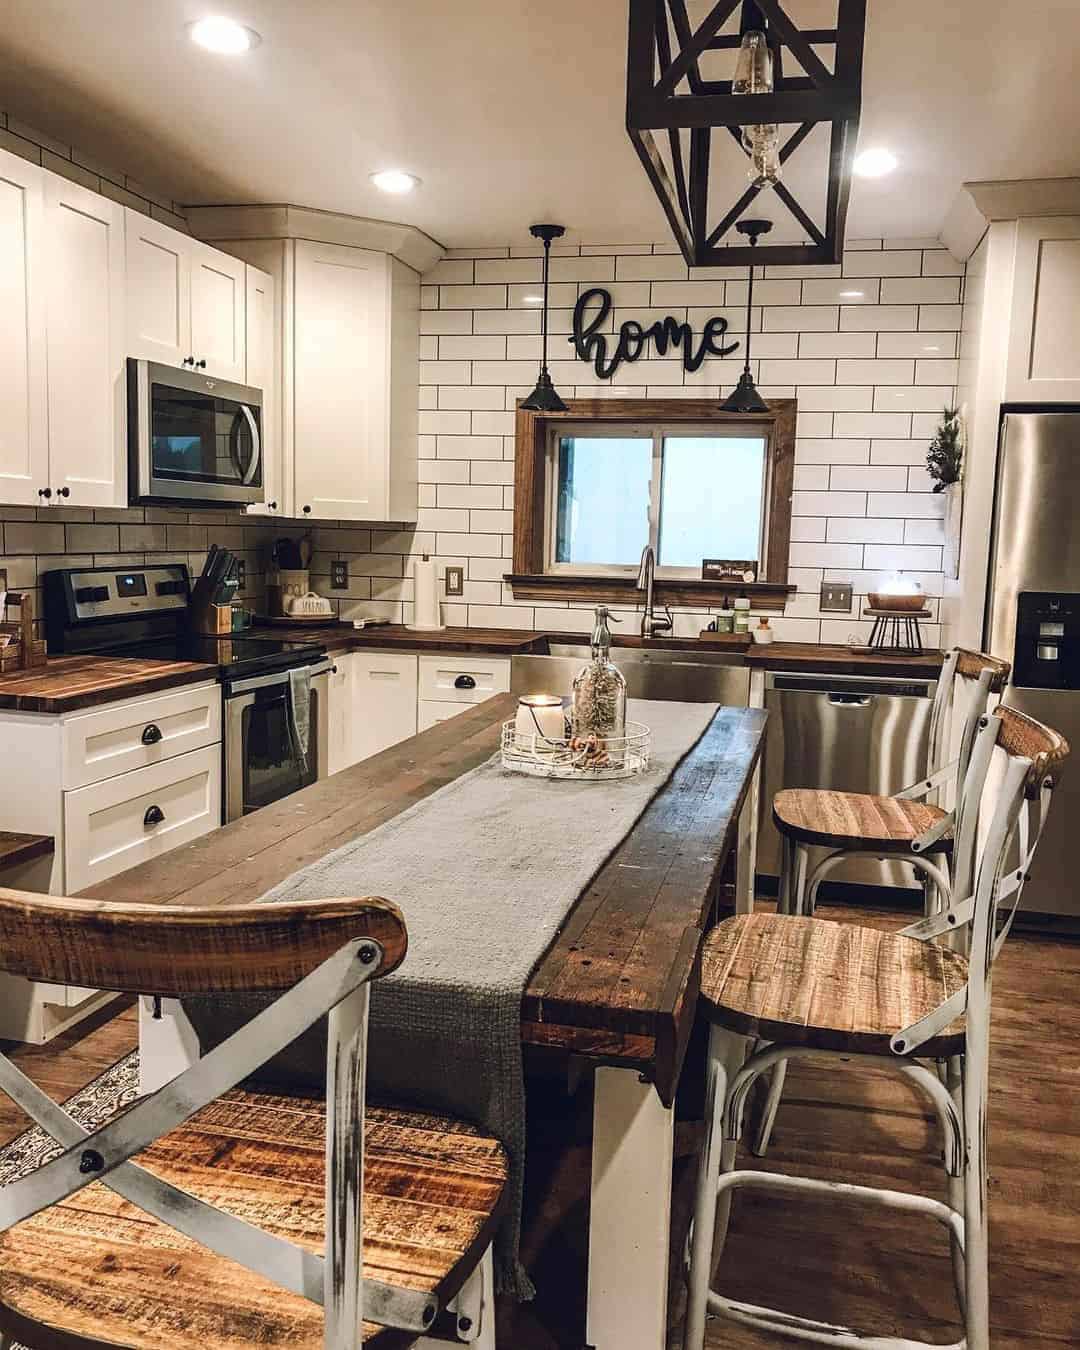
692 492
594 484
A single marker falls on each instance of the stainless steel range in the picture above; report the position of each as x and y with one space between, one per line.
273 690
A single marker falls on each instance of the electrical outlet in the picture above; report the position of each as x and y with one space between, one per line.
339 575
836 595
455 581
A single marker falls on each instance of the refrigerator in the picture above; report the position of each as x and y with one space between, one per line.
1033 617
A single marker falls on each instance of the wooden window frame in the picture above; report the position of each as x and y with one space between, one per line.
533 430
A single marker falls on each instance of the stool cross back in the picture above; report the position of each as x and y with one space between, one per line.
809 988
245 1223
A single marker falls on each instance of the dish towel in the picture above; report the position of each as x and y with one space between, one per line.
485 871
300 713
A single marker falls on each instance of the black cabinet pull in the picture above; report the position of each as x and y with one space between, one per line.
151 734
154 816
63 492
44 492
464 682
200 365
307 510
272 505
188 361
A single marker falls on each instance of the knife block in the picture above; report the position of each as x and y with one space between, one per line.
24 651
211 620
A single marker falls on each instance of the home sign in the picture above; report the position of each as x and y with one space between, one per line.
592 345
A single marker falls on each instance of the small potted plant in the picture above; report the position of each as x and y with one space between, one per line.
944 463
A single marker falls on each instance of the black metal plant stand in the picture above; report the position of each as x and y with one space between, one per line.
897 630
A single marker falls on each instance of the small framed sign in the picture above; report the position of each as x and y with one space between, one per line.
728 569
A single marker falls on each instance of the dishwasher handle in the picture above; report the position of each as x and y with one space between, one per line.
838 700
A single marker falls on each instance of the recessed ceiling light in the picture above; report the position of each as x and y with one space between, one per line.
532 299
395 181
224 36
875 163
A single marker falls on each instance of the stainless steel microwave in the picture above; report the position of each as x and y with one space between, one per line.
192 439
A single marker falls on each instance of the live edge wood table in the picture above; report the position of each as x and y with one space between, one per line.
618 986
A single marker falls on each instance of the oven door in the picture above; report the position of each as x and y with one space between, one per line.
193 438
262 760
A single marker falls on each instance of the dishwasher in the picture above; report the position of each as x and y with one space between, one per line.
850 733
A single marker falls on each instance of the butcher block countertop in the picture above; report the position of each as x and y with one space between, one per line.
828 659
69 683
341 637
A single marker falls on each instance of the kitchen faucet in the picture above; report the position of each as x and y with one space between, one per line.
650 624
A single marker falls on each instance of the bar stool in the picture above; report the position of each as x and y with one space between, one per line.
850 995
211 1218
904 827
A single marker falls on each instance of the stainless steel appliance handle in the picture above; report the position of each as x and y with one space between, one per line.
256 445
850 700
278 677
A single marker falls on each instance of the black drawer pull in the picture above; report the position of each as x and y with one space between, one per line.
464 682
154 816
151 734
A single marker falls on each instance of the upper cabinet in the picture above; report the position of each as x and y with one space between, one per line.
355 350
262 362
185 301
24 428
1044 343
84 243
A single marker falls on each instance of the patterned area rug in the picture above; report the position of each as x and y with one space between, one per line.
99 1101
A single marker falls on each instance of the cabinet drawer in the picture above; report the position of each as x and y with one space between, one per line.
112 826
463 679
428 713
110 741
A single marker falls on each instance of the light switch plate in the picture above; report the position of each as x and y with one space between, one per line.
836 595
455 581
339 574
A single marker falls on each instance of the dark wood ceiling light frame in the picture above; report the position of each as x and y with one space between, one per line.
531 582
655 71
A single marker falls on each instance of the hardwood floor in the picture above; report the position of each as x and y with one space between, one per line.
873 1269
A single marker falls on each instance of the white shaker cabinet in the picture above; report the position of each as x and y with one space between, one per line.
262 373
24 444
373 704
1044 341
349 332
87 399
185 301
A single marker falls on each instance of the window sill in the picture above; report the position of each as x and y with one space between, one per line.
676 591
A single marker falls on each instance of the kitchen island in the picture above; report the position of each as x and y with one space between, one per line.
617 988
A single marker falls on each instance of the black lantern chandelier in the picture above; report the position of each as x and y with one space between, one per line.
744 398
544 398
667 94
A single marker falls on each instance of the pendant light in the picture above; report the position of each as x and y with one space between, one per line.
754 75
744 398
543 398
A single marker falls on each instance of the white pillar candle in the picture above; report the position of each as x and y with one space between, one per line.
540 718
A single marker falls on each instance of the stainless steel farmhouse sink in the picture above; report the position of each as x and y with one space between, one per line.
650 672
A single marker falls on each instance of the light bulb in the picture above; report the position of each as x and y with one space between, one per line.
761 141
764 167
224 36
394 181
753 68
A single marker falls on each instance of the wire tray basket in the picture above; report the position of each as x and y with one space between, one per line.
589 761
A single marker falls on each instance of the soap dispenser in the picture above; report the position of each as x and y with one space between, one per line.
598 703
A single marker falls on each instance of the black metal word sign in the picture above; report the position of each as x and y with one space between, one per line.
592 345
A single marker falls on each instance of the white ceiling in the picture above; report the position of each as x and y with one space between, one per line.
509 110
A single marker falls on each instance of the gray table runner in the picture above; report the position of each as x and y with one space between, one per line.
485 871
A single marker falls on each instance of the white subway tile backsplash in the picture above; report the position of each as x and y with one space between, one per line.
837 344
811 451
472 545
491 522
444 372
841 291
828 503
667 293
836 398
509 269
813 424
665 267
472 495
444 471
509 321
811 477
439 321
896 371
437 423
888 263
593 271
472 348
868 478
468 447
472 297
932 371
766 292
800 318
826 555
920 290
485 423
893 425
903 556
917 344
458 271
471 397
808 529
865 531
877 318
820 371
934 317
922 505
913 398
941 263
897 452
433 518
924 531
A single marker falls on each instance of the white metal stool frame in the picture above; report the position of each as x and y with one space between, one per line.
338 988
798 891
961 1109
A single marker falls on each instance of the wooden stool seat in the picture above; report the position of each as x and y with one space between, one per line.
802 981
98 1272
854 820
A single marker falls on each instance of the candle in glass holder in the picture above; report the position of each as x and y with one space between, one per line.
540 719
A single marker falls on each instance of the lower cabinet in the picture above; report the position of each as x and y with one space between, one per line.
380 698
114 786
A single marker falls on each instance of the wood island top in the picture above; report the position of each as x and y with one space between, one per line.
69 683
619 983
